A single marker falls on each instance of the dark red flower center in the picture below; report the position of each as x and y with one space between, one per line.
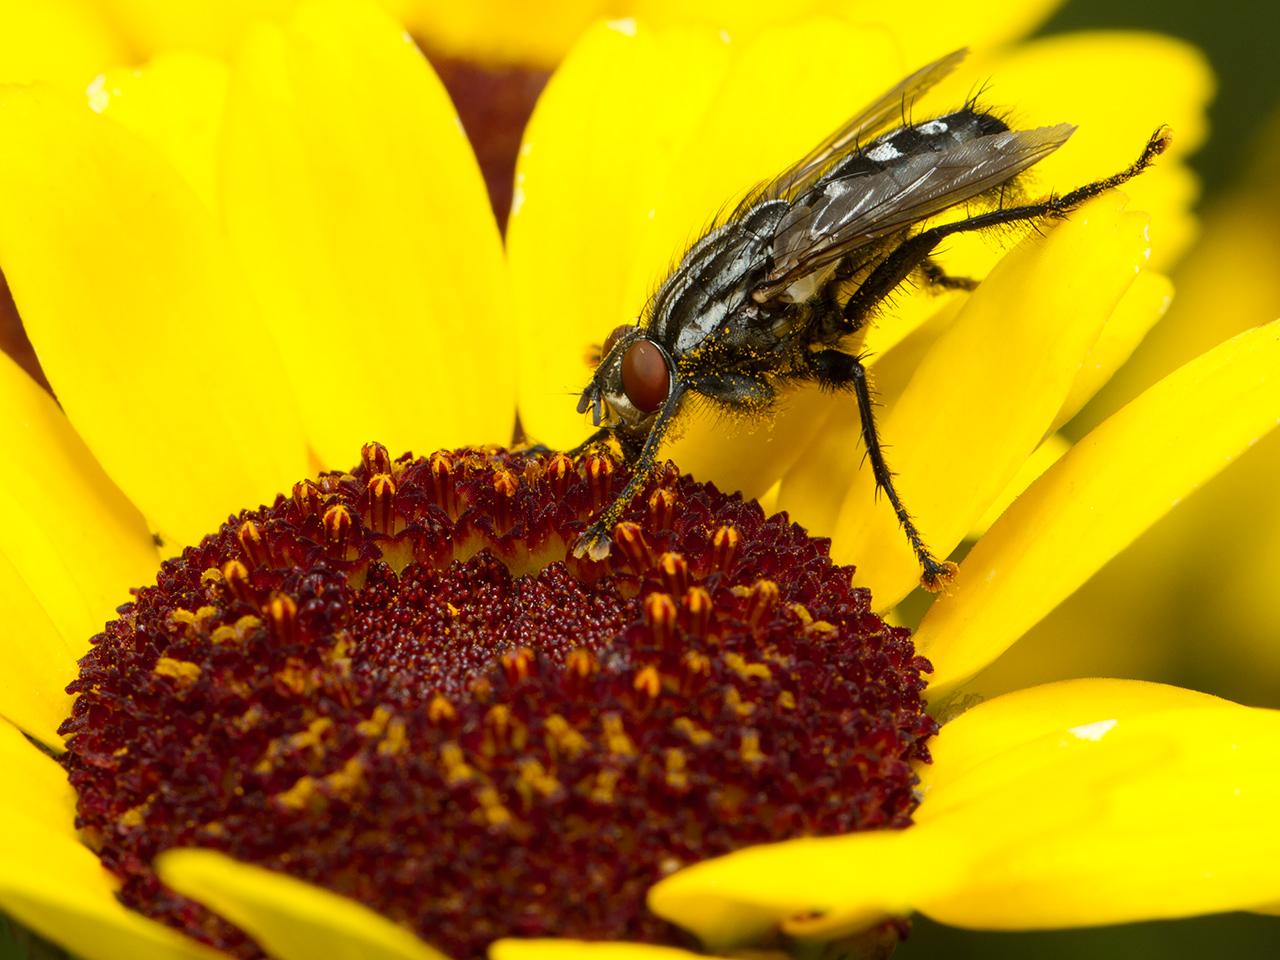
397 683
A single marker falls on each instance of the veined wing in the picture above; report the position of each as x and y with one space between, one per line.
891 106
845 213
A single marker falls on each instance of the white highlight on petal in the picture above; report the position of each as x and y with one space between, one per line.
97 93
1093 731
625 26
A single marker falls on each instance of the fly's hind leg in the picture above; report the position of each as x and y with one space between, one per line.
912 254
841 371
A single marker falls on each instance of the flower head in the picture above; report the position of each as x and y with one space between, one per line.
314 263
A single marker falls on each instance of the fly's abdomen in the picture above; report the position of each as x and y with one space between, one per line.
928 136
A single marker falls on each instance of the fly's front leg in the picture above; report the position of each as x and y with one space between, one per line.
595 540
839 371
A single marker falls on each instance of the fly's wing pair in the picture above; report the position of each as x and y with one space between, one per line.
833 215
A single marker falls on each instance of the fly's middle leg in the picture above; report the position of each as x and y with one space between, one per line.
839 371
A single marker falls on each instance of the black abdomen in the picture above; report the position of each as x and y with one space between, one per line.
927 136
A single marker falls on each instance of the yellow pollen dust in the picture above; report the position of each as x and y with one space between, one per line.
615 737
454 767
676 773
695 734
313 737
236 632
183 671
563 739
648 682
747 671
440 710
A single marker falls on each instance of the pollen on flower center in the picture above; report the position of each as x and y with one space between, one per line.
399 684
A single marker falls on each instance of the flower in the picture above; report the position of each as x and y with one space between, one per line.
241 318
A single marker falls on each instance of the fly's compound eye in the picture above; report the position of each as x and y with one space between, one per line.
645 377
612 339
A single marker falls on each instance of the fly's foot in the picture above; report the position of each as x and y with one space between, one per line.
937 576
593 544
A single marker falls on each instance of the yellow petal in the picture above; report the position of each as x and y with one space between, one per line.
1098 498
176 104
138 318
503 31
290 919
1077 803
354 201
1094 802
60 42
1042 458
78 542
1139 309
584 950
981 400
743 898
70 547
930 29
45 797
156 26
39 662
53 885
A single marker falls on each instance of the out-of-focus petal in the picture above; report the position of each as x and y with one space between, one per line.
176 104
64 43
289 919
71 543
139 318
1074 804
214 28
1098 498
355 204
45 798
53 884
986 393
505 32
39 662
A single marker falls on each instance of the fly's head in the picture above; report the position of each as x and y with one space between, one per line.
634 379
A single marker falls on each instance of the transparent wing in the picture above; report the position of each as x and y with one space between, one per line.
845 213
893 105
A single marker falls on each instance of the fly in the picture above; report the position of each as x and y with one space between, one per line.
781 293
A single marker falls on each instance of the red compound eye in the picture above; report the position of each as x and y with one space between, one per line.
613 338
645 377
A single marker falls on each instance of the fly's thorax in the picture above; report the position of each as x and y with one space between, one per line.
714 280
